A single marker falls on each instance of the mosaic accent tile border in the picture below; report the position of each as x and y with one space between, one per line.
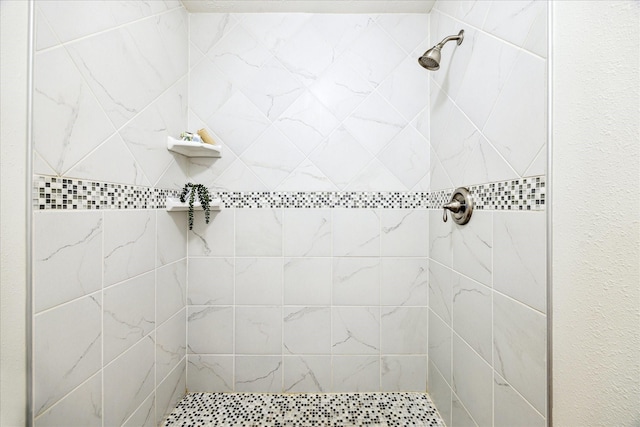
305 410
77 194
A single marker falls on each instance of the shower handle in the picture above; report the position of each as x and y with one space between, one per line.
461 206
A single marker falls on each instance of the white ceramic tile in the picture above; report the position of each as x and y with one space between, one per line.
440 336
514 20
307 374
81 407
485 164
206 29
341 89
374 55
272 157
239 54
171 290
306 122
356 374
490 65
238 123
341 30
439 178
440 290
510 408
129 314
422 122
306 330
307 281
128 381
406 29
258 281
238 177
175 175
472 248
404 281
517 125
472 382
424 185
404 232
40 166
171 238
403 373
210 373
404 330
539 165
69 122
207 170
472 314
440 238
407 88
374 123
215 238
71 20
258 330
536 40
209 89
440 393
170 391
306 54
520 256
355 330
260 374
129 244
171 344
375 177
407 156
195 56
110 162
307 232
77 237
356 281
306 177
274 29
259 232
272 88
45 37
145 415
468 11
340 157
211 281
520 349
363 240
210 330
459 414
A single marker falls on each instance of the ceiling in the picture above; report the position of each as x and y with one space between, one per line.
310 6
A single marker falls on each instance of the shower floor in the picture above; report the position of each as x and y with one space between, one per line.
304 410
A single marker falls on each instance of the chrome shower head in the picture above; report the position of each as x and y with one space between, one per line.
431 58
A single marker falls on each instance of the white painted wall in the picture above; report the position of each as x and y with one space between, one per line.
596 213
13 115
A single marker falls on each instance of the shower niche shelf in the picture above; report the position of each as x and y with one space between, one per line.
193 149
174 204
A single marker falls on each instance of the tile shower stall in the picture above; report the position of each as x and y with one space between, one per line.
328 268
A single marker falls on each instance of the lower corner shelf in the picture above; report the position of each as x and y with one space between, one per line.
175 205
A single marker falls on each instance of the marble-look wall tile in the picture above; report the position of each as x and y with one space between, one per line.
363 240
258 281
210 330
356 281
440 242
472 382
259 232
407 156
82 407
355 330
403 373
472 248
258 330
404 232
171 290
440 392
440 336
472 314
211 374
356 374
306 330
171 342
440 291
511 409
307 232
171 237
129 314
404 330
306 374
128 381
519 349
145 415
459 414
129 244
211 281
215 238
307 281
260 374
67 349
404 281
171 391
67 263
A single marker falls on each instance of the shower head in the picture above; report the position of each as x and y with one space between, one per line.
431 58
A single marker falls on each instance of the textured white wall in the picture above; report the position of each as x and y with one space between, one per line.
13 115
596 158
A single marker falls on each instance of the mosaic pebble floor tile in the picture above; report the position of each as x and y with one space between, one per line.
305 410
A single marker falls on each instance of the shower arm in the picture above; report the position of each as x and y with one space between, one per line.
457 37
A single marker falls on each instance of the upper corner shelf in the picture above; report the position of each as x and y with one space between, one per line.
193 149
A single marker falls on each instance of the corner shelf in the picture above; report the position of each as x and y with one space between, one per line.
175 205
193 149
